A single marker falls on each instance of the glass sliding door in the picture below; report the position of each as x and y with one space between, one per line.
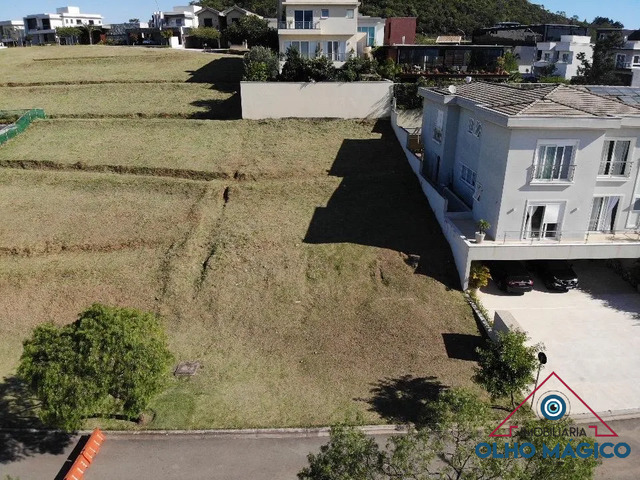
604 211
303 19
542 221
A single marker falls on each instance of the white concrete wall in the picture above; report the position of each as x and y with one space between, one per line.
316 100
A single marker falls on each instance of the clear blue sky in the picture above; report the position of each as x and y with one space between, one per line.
626 11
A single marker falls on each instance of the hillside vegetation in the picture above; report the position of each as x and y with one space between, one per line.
434 16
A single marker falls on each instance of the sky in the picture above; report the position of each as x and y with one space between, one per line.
115 11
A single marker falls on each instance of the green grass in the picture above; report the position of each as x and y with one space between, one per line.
190 100
271 148
293 289
78 64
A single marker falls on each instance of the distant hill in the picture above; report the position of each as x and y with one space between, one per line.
434 16
451 16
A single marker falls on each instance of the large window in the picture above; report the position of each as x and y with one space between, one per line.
371 35
468 176
303 19
614 159
554 162
306 49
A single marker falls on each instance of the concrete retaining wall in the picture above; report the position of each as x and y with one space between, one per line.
316 100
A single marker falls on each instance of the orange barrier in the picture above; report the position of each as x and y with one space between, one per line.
88 453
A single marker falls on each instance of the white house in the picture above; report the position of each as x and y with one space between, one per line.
321 27
373 27
179 17
563 55
552 168
11 32
41 27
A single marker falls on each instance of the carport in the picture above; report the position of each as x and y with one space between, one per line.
591 335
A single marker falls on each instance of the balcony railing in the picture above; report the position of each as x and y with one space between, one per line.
533 237
615 169
299 25
541 173
336 57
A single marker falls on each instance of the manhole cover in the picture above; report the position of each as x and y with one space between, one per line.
186 369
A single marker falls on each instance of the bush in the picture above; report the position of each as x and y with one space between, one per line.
479 276
260 65
206 35
111 361
254 30
321 69
357 69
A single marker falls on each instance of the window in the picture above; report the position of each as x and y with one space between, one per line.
178 22
477 194
437 131
636 59
335 51
306 49
349 12
554 162
621 60
324 13
614 159
471 126
90 22
371 35
468 176
547 57
566 58
208 22
79 22
303 19
478 131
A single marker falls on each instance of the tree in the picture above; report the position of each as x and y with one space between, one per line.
506 365
602 69
508 62
206 35
295 68
358 69
606 22
261 64
72 33
167 34
134 20
444 448
348 455
254 30
111 361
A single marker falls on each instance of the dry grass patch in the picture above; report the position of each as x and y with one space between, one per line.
267 149
38 65
50 212
191 100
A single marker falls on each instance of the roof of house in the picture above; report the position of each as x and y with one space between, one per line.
628 95
241 10
208 9
449 39
540 100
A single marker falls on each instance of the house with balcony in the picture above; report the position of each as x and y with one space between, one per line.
41 27
373 27
321 27
627 57
553 168
562 56
11 32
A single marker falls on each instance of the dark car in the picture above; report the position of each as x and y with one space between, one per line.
555 274
511 276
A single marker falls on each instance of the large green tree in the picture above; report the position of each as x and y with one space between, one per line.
111 361
254 30
601 70
507 365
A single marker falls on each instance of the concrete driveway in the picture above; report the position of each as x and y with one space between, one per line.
591 335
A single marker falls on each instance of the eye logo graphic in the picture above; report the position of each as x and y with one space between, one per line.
555 405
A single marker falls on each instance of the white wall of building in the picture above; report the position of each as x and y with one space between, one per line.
564 54
316 100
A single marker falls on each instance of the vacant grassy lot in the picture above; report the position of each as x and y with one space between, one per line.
290 274
190 100
100 64
260 148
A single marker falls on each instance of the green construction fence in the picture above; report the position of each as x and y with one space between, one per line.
25 117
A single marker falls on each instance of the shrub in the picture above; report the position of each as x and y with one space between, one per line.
321 69
111 361
260 64
358 69
479 276
295 68
254 30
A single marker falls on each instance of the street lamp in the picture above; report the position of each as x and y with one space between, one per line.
542 358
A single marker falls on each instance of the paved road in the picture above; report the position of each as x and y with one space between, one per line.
193 457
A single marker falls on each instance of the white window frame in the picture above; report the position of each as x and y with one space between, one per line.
562 207
350 13
546 56
568 57
477 194
478 130
632 211
636 59
468 176
322 13
628 160
555 143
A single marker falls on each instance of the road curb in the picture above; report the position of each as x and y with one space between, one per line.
608 416
234 433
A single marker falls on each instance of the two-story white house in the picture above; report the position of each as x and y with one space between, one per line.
11 32
553 168
321 27
563 55
41 27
